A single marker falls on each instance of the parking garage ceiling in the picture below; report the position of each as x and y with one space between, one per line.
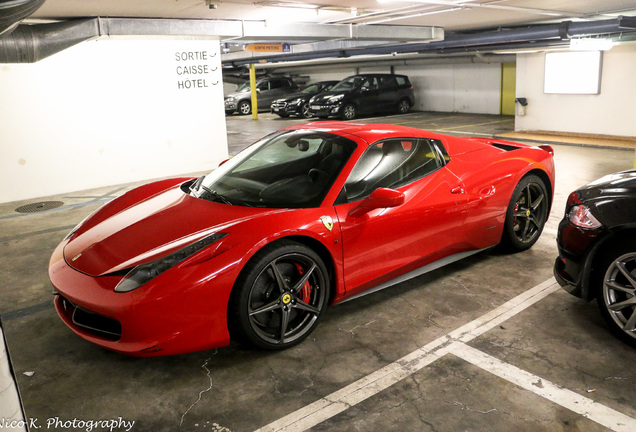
329 29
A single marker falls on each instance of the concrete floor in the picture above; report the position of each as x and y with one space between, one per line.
486 344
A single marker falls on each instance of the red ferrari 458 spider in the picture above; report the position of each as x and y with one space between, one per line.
310 215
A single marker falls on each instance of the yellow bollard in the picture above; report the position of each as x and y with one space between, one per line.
253 90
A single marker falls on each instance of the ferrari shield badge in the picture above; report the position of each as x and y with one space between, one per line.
327 222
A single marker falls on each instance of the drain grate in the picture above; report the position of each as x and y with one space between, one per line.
40 206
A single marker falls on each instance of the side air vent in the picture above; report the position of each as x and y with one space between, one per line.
506 147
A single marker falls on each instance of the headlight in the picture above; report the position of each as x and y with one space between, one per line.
143 273
581 216
230 99
296 101
336 98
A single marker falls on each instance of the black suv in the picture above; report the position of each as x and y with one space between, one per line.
296 104
267 90
364 94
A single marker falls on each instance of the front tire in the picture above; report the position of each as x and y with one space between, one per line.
526 215
279 296
349 112
616 297
244 108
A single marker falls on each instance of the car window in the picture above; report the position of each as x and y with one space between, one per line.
263 85
402 80
370 83
293 169
388 82
277 83
392 164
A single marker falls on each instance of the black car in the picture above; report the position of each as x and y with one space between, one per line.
364 94
597 249
296 104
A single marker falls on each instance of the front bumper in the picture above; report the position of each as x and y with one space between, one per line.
149 321
282 107
572 268
230 105
325 110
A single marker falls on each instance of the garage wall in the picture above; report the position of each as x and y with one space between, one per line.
610 113
447 87
110 111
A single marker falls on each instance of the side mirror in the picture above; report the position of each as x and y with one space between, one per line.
379 198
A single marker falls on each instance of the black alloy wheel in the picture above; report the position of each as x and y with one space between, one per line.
280 296
617 296
526 215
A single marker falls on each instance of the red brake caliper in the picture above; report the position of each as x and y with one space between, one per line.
305 293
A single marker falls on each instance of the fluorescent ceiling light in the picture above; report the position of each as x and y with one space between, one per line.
288 4
591 44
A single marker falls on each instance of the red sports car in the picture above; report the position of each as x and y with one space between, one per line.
310 215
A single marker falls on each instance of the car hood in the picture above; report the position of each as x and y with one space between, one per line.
295 96
236 94
325 96
612 185
149 229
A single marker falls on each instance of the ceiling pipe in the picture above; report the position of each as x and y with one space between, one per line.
12 12
471 41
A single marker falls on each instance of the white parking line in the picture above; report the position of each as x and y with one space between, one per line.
370 385
455 343
588 408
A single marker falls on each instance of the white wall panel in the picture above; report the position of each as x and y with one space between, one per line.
463 87
611 112
110 111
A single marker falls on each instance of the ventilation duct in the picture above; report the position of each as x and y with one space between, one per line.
12 12
30 43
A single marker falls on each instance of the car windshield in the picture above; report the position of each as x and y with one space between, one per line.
243 87
288 169
349 83
317 87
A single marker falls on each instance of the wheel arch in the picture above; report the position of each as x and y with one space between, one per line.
316 245
591 271
323 253
547 182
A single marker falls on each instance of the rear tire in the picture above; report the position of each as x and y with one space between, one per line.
305 111
403 106
279 296
526 214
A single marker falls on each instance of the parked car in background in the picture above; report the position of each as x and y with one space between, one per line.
364 94
267 90
296 104
597 249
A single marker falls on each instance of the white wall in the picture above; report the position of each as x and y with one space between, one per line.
611 112
463 87
110 111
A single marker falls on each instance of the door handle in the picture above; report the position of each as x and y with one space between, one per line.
457 190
